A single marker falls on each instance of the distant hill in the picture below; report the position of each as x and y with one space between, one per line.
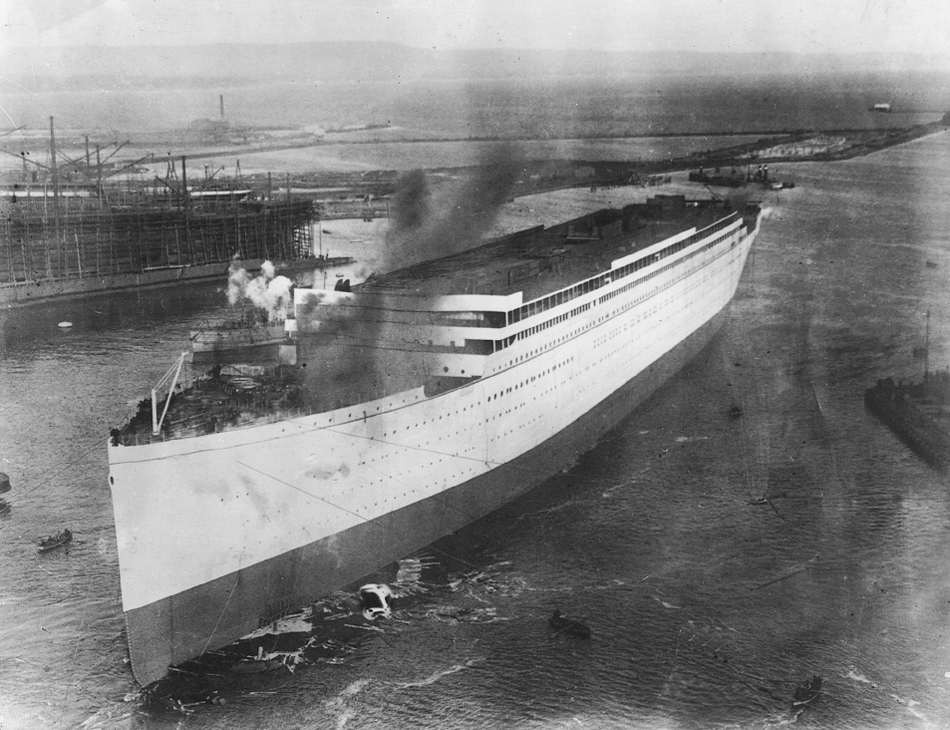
95 66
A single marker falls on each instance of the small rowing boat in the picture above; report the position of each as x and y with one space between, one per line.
54 541
563 624
806 693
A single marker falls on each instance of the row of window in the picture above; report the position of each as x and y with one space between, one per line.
530 380
491 397
589 285
637 282
502 344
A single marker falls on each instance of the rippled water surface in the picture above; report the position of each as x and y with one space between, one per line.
706 610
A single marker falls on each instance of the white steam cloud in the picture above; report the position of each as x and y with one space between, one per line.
266 291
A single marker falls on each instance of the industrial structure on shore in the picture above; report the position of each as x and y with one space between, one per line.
65 230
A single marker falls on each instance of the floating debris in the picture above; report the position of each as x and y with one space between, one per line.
489 580
408 581
767 500
269 661
432 679
65 325
480 615
297 623
256 666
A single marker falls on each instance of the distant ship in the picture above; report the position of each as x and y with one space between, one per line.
919 413
406 408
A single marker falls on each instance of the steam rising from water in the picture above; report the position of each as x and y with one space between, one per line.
266 291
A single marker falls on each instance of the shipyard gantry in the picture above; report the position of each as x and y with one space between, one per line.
66 229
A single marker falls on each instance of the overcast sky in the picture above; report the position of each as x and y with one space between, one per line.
804 26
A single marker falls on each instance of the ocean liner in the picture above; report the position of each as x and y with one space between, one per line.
405 409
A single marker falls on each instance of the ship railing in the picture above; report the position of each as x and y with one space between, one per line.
198 426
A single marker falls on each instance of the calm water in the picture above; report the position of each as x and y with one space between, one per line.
706 611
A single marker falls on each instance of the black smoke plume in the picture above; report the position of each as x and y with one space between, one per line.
422 229
355 357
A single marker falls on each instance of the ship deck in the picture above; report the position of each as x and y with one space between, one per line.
541 260
222 399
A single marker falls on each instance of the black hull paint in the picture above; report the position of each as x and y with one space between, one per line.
223 610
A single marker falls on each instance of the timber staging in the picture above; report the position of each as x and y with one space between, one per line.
75 241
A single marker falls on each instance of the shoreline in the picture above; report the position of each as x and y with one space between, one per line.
356 196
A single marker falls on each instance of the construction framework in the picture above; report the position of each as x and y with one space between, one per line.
46 238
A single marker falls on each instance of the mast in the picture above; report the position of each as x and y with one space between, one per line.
927 349
55 174
186 206
98 174
52 154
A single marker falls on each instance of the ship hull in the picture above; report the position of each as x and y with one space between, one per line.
227 608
